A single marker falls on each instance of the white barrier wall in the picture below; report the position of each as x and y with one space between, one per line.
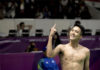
46 24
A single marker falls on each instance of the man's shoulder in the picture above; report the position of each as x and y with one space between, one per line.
85 49
62 45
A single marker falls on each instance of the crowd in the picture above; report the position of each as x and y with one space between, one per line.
53 9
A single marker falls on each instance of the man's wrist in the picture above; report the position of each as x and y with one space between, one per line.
50 36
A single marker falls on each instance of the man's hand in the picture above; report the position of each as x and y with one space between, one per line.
53 30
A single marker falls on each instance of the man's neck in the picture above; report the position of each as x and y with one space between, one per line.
74 44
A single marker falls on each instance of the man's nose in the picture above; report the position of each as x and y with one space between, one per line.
73 32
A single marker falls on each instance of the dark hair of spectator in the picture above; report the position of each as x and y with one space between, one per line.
21 23
56 41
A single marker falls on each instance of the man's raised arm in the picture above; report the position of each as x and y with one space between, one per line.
51 52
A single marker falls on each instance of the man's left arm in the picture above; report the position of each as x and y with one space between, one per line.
86 63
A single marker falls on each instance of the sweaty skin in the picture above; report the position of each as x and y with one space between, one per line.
73 56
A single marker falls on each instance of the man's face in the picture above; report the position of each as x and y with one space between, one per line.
75 33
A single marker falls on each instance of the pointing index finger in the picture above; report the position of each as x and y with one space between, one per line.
54 26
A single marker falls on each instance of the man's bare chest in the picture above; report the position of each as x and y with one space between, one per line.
74 55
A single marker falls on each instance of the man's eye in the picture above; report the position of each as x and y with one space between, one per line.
77 31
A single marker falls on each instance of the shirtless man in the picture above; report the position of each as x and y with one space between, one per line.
73 56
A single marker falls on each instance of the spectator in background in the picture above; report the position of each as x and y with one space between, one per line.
46 12
39 14
85 14
56 40
32 9
21 27
46 63
63 9
1 11
10 9
31 47
20 9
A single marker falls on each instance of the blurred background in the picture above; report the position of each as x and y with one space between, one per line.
25 26
42 14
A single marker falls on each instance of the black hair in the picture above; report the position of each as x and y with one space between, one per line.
21 23
81 27
77 22
56 41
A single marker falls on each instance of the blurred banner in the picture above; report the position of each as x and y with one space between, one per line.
14 45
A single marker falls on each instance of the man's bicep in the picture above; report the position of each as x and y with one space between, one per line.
87 61
56 50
